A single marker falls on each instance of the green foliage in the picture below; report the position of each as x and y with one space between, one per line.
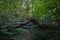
46 12
9 9
45 7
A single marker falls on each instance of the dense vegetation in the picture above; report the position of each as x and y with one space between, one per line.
34 19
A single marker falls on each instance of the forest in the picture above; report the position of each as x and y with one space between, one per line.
29 19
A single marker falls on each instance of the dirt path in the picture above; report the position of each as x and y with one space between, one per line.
27 35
